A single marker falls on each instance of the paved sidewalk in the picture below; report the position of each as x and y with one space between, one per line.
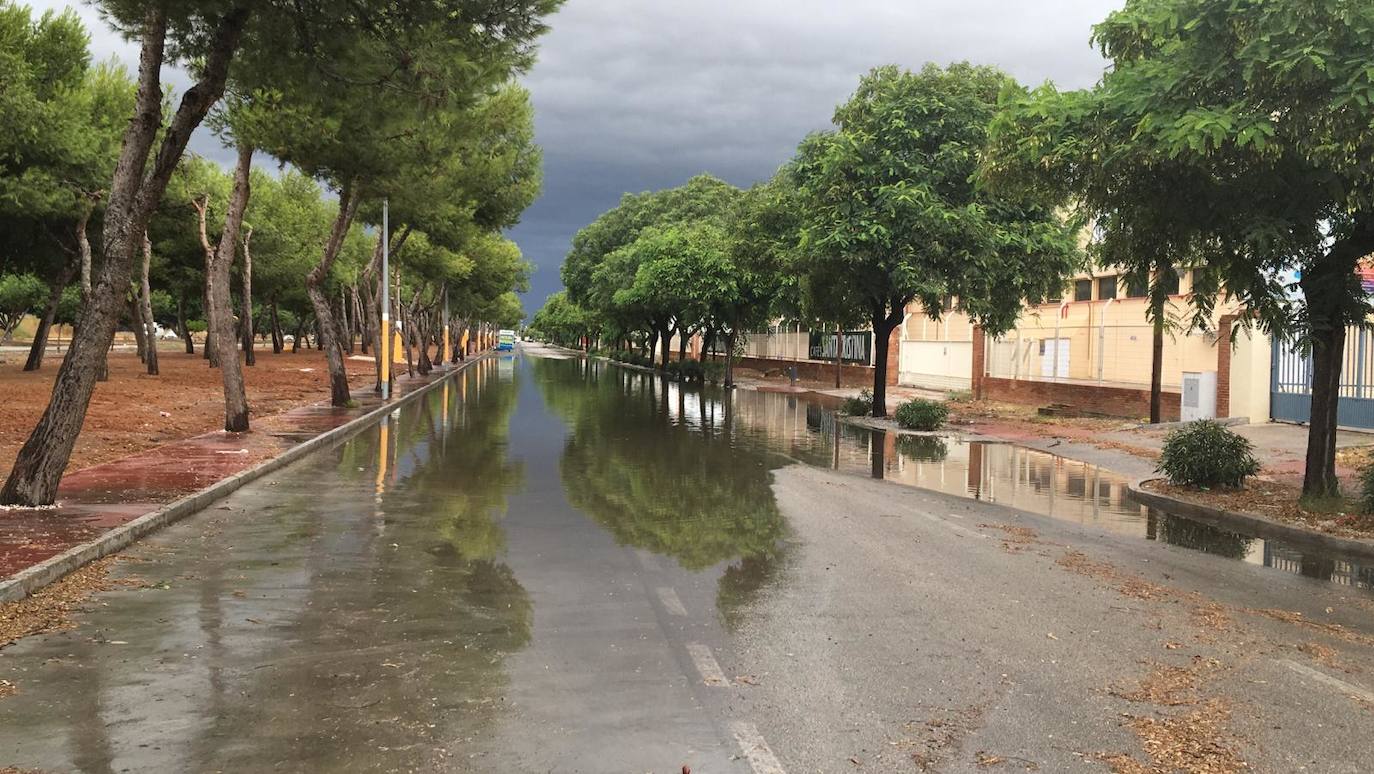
95 500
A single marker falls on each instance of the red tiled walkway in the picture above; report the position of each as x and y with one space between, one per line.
96 499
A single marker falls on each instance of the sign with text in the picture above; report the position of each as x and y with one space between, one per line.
858 346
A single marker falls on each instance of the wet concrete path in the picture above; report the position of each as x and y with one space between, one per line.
555 565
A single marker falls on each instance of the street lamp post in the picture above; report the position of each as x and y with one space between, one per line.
386 300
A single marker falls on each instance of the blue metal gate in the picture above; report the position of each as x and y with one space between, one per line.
1290 381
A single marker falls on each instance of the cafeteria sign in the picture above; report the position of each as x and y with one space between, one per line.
857 346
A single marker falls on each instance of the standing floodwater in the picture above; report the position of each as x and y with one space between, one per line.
537 566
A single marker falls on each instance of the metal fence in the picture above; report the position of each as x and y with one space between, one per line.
1117 354
1290 384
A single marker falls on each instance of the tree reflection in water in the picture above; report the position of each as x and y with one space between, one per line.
664 473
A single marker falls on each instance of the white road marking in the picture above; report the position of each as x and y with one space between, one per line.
671 601
756 751
1349 689
706 665
646 560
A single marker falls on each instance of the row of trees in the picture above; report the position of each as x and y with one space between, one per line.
405 102
1233 137
885 210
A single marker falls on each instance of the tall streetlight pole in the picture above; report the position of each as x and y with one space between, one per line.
386 300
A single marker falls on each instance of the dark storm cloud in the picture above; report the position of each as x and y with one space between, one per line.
633 95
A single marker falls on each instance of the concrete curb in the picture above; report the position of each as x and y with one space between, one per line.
1258 525
1224 422
27 581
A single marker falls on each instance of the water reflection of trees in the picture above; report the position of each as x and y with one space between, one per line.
414 606
1186 533
656 478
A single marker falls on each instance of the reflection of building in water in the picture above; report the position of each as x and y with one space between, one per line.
806 430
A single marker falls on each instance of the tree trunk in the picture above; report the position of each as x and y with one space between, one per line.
278 340
730 359
139 326
249 358
221 305
882 331
184 326
1328 345
83 245
314 287
839 353
665 342
145 302
135 191
1156 365
296 339
211 348
40 336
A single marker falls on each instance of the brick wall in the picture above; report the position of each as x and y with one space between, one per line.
894 356
850 375
1111 401
980 368
1224 365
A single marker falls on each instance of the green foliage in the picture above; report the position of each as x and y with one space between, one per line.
892 212
1367 489
859 405
713 371
195 326
920 414
20 294
1207 454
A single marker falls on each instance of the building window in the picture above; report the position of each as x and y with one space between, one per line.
1106 287
1170 281
1083 290
1137 288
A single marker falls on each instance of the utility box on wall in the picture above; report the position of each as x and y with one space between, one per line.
1199 399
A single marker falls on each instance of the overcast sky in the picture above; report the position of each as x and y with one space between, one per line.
633 95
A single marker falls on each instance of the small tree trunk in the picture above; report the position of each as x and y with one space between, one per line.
296 340
839 353
278 340
249 358
211 348
730 359
314 288
184 326
40 336
146 304
1156 366
666 345
140 327
221 305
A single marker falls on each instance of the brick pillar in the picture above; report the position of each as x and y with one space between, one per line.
894 355
979 362
1224 365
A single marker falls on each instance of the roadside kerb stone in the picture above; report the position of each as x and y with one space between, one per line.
1254 524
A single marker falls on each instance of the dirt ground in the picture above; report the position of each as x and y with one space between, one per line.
133 411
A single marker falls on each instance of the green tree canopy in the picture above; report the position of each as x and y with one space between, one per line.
891 208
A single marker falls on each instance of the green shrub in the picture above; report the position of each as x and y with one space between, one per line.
195 326
858 406
714 371
673 369
1367 489
1206 454
692 372
921 414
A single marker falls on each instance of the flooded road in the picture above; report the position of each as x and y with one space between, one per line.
551 564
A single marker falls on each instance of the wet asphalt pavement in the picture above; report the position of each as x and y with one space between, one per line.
554 565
